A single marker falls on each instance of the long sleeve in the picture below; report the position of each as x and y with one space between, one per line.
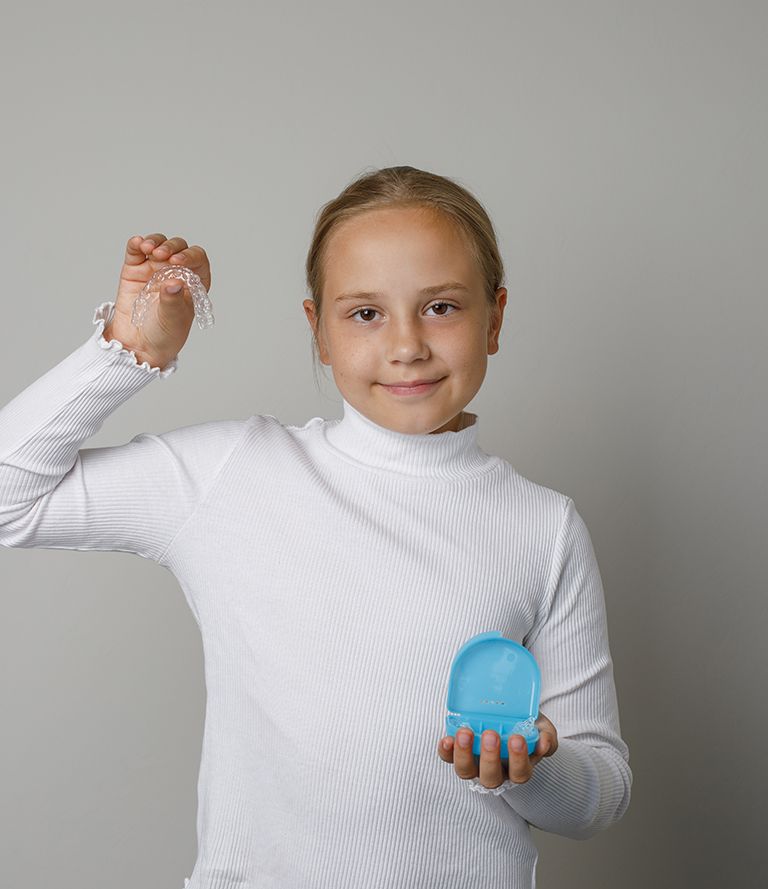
130 498
585 786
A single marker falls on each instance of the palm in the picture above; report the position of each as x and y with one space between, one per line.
166 326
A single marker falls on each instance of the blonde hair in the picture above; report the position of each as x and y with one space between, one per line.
405 186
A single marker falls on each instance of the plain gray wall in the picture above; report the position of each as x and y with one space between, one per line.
620 149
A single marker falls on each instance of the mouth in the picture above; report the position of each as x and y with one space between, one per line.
416 387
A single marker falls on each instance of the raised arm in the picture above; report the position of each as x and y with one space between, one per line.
130 498
134 497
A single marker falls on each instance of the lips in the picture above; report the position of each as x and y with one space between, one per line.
409 383
412 388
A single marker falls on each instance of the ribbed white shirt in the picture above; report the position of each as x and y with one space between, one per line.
334 570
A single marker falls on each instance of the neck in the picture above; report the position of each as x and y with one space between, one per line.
447 455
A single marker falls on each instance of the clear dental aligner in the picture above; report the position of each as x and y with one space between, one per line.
521 727
524 727
151 291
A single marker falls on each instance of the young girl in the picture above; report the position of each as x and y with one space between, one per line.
335 568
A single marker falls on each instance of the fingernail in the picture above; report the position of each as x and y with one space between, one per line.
518 744
489 742
465 739
174 288
446 744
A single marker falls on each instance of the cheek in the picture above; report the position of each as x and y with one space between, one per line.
466 347
353 355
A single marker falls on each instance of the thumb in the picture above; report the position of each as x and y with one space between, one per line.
171 294
175 300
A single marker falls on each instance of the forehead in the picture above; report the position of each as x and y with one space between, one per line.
397 246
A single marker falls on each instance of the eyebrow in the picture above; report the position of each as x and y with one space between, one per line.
426 291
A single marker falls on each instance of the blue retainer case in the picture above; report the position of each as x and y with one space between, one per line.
494 683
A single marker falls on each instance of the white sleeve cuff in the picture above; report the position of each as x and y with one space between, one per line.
101 317
474 784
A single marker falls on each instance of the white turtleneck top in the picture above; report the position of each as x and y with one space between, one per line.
334 570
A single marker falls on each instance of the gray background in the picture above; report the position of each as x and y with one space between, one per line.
620 150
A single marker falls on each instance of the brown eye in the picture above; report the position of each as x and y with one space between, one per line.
447 305
363 310
439 314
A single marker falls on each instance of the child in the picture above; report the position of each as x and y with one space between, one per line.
335 568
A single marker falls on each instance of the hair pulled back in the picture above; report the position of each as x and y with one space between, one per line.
405 186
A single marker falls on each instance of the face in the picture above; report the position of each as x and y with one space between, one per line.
417 311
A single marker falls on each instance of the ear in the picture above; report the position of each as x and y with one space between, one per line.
496 318
309 311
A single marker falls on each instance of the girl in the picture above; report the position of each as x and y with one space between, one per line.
335 568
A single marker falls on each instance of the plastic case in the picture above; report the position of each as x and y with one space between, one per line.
494 683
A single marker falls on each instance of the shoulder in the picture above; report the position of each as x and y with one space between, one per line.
527 494
197 443
271 442
270 427
214 434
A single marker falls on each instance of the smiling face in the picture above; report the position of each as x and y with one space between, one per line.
420 313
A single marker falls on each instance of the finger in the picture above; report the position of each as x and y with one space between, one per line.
173 287
520 767
168 248
445 749
463 758
545 725
542 747
149 243
492 773
136 250
547 744
191 257
176 304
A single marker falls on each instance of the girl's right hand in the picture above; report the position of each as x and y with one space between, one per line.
168 320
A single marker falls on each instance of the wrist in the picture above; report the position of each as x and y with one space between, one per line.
141 357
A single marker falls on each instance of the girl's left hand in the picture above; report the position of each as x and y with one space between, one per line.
488 766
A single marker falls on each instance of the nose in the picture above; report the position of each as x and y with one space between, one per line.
406 342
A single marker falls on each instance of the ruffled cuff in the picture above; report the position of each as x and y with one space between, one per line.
477 787
101 317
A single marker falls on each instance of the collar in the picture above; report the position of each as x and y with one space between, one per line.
447 455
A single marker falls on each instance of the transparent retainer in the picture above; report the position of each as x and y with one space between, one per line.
494 684
151 291
525 727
